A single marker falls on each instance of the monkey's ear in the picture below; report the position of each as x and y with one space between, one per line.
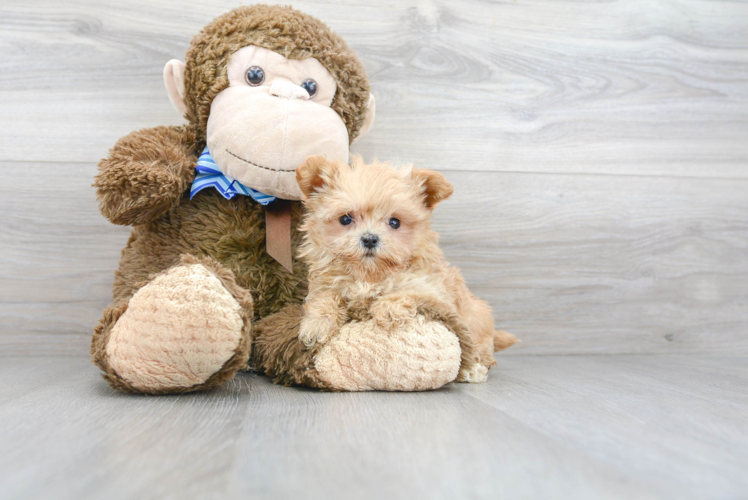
434 186
368 121
314 174
174 81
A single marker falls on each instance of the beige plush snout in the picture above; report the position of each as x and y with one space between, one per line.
287 90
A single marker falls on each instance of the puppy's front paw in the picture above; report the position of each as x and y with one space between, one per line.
388 312
473 374
315 329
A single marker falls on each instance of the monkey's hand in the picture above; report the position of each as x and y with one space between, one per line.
146 174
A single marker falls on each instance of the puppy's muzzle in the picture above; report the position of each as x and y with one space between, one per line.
369 241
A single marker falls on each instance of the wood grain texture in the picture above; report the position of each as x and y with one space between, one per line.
597 149
570 263
538 86
601 264
57 258
636 411
542 427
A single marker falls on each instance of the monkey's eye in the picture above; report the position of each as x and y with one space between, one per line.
310 86
394 223
255 76
346 219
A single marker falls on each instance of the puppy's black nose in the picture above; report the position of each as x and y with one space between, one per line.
370 240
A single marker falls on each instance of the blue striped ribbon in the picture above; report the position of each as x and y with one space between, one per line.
208 175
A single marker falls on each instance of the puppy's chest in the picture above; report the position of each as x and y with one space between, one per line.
360 294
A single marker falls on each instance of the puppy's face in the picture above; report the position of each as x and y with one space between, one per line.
372 217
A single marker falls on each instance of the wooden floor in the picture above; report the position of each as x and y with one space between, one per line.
542 427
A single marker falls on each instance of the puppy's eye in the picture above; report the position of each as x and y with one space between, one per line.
255 76
346 219
394 223
310 86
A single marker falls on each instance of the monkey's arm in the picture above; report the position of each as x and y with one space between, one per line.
145 174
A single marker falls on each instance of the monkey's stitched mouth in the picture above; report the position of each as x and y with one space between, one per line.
260 166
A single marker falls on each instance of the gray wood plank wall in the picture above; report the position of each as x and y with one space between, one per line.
599 152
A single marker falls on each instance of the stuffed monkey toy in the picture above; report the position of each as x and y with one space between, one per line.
208 284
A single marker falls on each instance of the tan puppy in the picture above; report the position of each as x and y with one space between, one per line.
370 247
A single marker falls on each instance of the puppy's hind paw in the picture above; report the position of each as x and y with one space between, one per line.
315 329
475 374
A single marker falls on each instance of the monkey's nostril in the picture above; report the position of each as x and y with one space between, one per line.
369 240
288 90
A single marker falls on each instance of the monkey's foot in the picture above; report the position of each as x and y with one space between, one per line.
418 355
422 354
186 330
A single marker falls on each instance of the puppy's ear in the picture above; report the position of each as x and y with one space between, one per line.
434 186
315 173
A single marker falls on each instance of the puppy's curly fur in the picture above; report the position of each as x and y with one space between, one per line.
371 252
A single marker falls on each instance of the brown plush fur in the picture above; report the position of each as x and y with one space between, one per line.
277 352
146 173
231 232
286 31
403 274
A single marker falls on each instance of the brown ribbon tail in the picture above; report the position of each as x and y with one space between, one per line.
278 232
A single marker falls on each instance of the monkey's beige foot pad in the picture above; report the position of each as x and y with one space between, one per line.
177 331
419 356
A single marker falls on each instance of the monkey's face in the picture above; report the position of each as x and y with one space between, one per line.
261 113
275 113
